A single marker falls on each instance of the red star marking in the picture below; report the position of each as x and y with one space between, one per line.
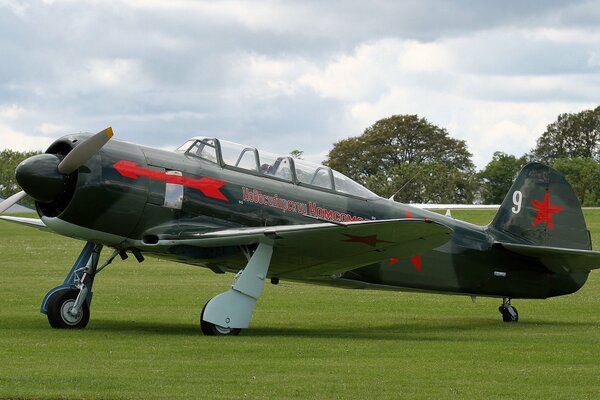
545 211
393 260
408 214
370 240
416 260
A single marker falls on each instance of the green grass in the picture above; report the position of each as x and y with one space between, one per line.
143 340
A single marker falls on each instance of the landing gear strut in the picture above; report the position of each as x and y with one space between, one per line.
68 305
227 313
509 312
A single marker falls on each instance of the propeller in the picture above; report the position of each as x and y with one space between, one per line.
84 151
11 201
43 176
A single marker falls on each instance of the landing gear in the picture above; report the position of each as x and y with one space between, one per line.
229 312
63 313
68 305
509 312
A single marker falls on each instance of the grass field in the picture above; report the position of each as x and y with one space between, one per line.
143 340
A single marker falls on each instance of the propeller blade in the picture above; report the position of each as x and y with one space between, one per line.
8 203
84 151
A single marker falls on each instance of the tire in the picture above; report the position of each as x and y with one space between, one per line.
210 329
58 305
507 316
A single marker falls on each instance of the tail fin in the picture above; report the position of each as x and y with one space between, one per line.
541 209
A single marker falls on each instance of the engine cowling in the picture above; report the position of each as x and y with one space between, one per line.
94 196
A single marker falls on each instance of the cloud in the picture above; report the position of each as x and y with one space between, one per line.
470 85
19 141
113 72
284 75
51 129
375 67
11 111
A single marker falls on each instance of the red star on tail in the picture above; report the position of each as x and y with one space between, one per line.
545 211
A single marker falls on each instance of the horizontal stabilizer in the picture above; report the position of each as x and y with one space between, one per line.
33 222
558 259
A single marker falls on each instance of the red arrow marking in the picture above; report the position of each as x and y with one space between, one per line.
208 186
545 211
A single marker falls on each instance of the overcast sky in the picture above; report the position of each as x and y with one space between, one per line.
283 75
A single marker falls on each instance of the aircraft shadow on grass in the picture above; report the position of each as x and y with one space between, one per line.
424 330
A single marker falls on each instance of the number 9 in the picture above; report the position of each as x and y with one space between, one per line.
517 201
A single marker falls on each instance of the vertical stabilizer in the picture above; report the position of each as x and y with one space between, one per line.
541 209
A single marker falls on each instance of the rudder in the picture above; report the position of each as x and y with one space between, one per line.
541 209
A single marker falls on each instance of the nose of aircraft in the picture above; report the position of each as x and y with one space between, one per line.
38 176
44 176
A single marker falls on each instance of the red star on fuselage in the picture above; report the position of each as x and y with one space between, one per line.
369 240
545 211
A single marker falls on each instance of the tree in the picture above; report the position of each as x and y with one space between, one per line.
425 183
584 176
297 154
9 160
570 136
498 175
407 151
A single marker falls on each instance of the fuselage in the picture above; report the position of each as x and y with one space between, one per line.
128 196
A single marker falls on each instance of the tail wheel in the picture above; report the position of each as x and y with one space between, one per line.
509 313
59 311
210 329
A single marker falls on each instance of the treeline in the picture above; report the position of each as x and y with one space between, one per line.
421 163
9 160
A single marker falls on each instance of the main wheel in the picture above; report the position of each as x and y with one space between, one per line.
509 313
210 329
59 306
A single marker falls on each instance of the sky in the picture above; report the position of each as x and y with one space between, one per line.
285 75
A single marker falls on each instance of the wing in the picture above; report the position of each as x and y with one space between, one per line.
34 222
310 250
557 259
302 251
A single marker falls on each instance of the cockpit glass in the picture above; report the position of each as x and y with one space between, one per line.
313 174
184 147
269 164
239 155
274 165
344 184
205 149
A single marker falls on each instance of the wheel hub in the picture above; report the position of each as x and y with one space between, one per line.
67 315
222 330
